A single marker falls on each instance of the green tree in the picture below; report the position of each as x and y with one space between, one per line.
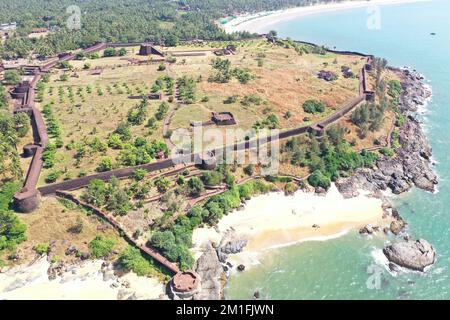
318 179
12 230
101 246
95 193
11 77
106 164
195 187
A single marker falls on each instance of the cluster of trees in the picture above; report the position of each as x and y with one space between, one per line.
112 52
12 128
176 239
327 159
224 73
186 89
132 259
101 246
252 99
161 112
141 151
368 117
11 77
53 125
379 65
12 230
164 83
138 114
158 21
174 243
110 195
314 106
271 122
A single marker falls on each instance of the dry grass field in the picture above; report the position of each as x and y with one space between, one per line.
90 106
51 223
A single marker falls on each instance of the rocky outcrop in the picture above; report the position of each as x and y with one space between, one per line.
210 270
414 255
397 226
230 247
411 165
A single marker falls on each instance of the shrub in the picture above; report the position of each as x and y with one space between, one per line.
313 106
132 260
52 176
290 188
109 52
231 99
139 174
195 187
249 169
161 67
42 248
101 246
388 152
12 230
95 193
11 77
77 228
212 178
318 179
106 164
251 99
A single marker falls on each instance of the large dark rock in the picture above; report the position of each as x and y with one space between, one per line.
414 255
210 271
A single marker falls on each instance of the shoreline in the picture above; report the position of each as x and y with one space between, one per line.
88 280
258 22
239 244
273 220
266 225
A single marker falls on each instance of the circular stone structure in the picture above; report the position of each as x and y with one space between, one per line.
185 284
25 201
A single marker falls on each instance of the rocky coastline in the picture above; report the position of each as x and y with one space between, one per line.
411 166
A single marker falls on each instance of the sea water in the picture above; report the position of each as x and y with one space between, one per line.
353 267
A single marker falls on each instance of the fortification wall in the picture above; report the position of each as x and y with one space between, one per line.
150 251
30 192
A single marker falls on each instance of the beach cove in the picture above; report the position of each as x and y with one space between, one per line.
275 220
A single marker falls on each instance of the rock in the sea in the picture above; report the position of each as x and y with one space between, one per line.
368 229
397 226
256 295
414 255
241 267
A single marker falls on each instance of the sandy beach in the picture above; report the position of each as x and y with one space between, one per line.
274 220
85 282
262 21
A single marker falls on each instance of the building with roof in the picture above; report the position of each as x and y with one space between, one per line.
147 49
223 118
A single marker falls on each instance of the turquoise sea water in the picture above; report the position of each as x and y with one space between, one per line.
341 268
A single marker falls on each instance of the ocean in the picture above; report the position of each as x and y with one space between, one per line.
353 267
